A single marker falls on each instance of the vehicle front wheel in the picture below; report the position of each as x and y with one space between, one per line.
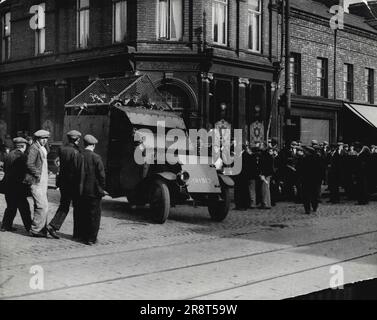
219 209
159 200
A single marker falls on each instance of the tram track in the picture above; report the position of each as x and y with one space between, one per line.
235 235
206 263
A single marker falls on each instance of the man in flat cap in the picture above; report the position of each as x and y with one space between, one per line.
68 180
15 189
92 188
37 178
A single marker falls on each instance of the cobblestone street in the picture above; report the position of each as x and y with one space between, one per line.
255 254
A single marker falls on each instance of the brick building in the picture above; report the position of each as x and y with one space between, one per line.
329 69
200 54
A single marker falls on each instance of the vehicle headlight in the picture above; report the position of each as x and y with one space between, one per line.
183 177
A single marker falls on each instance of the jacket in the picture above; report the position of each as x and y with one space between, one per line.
93 178
34 164
14 169
69 173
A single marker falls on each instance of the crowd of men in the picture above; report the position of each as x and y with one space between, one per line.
81 181
298 172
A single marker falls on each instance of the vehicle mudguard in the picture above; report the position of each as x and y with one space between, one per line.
170 176
226 180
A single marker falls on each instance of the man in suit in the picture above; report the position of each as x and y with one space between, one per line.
15 189
310 169
92 188
68 180
37 177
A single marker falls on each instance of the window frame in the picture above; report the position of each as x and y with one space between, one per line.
254 14
296 77
348 82
80 9
323 80
40 33
369 85
114 22
225 4
6 39
169 20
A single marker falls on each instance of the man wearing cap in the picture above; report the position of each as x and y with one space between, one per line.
92 188
15 189
37 178
68 180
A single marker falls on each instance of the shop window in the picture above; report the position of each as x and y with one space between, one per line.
82 23
119 20
254 25
314 129
220 21
6 36
170 19
177 99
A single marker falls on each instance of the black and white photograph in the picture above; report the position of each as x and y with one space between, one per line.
188 154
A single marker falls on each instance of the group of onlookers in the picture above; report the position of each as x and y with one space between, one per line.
81 180
298 173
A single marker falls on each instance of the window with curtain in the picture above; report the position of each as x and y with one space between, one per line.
322 77
5 34
119 20
348 82
40 31
254 25
369 85
295 71
220 21
82 23
170 19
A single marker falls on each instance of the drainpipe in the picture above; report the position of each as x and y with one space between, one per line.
287 64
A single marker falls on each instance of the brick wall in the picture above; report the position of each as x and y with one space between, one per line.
316 39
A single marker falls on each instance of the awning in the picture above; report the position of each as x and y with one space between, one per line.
366 112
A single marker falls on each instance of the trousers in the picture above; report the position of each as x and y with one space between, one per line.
89 218
17 200
67 197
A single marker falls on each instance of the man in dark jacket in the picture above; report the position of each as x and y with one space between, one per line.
310 172
68 180
92 188
15 189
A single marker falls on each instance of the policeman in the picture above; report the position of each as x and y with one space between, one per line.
15 190
92 188
68 180
37 177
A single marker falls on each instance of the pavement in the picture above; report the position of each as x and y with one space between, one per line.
254 254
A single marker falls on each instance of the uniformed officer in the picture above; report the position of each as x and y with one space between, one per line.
15 189
92 188
68 180
37 177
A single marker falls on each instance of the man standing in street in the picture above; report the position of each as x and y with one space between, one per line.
68 180
310 169
92 188
15 189
37 178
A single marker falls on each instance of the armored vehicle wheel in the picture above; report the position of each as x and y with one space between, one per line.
218 210
159 201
